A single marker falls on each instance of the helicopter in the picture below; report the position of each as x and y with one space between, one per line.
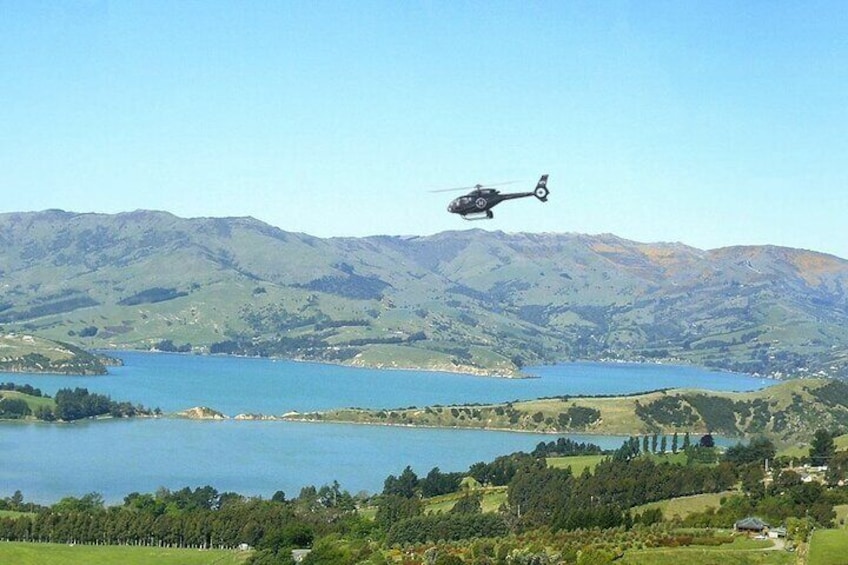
478 204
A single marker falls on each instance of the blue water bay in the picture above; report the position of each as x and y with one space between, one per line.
234 385
114 458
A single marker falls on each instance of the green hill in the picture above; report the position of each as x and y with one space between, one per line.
28 353
472 300
787 413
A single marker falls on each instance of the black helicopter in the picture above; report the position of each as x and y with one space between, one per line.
478 204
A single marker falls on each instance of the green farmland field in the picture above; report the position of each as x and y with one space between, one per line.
60 554
685 505
493 497
13 514
828 547
741 552
577 463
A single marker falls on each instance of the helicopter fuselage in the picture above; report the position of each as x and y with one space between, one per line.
478 203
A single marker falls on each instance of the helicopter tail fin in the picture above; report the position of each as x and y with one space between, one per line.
542 191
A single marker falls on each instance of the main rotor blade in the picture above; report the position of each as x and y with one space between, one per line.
476 186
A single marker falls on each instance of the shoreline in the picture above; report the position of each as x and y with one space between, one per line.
311 421
465 371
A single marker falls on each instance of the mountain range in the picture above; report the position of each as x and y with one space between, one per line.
473 300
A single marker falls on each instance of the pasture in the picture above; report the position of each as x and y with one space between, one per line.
841 515
685 505
63 554
828 547
577 462
742 551
493 497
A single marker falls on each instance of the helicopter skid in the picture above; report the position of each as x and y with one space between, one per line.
474 216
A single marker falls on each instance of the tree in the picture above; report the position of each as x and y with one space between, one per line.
751 476
837 468
674 443
786 479
16 502
663 444
404 485
798 529
287 536
332 496
14 408
707 440
45 413
471 503
436 483
501 471
822 448
89 502
393 508
329 550
757 451
628 450
654 443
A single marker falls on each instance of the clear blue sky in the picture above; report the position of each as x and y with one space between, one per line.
711 123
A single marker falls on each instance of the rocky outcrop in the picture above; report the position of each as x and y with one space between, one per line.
201 413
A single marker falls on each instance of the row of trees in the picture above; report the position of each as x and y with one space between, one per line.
263 524
563 447
191 518
79 403
69 405
24 389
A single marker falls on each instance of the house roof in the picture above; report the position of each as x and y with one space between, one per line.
750 523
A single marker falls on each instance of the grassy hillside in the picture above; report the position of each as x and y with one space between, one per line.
28 353
471 300
685 505
798 451
33 402
787 412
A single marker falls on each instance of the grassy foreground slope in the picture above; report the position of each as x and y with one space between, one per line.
63 554
786 413
828 547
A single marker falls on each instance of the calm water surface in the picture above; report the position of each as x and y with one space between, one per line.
233 385
114 458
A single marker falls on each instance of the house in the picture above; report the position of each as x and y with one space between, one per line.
299 555
751 524
776 533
